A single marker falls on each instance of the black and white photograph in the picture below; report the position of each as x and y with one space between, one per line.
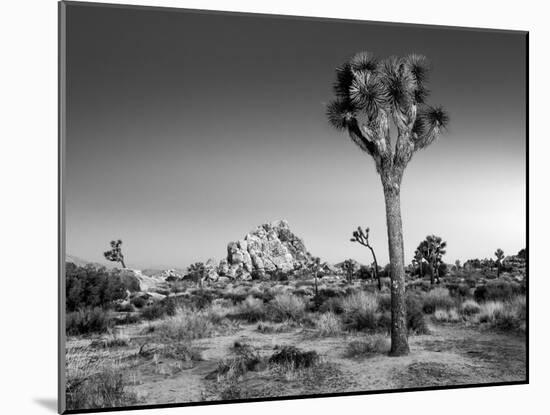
259 207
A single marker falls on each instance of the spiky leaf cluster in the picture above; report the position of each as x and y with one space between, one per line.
369 91
432 249
115 253
361 236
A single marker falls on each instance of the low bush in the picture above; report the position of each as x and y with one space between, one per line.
446 316
416 322
86 321
470 307
154 311
497 291
329 304
510 315
360 311
460 291
371 345
92 384
437 298
287 306
251 310
186 325
139 302
292 357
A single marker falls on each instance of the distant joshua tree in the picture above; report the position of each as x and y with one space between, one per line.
457 264
418 259
370 97
115 253
362 237
314 264
433 249
499 253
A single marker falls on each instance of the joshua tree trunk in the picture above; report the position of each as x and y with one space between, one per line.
376 269
122 263
399 344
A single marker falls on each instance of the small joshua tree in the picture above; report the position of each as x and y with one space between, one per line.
433 249
499 253
315 266
115 253
372 97
362 237
457 264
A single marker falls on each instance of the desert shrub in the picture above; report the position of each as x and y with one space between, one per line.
360 311
510 315
125 308
246 359
437 298
153 311
236 297
182 351
331 304
416 323
371 345
286 306
201 299
89 287
86 321
129 318
497 291
111 341
459 290
251 310
94 384
446 315
186 325
470 307
328 324
292 357
384 302
139 302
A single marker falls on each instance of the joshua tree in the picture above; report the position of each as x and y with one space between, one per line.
433 249
115 253
499 253
362 237
419 259
371 95
314 264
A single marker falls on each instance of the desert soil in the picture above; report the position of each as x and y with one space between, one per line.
449 355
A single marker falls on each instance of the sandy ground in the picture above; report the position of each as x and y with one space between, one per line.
449 355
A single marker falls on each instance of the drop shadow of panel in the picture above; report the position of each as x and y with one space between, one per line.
48 403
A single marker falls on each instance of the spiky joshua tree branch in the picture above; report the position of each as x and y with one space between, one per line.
362 237
371 95
115 253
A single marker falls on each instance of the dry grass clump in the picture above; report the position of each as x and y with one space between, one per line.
291 359
370 346
446 316
328 324
92 383
509 315
186 325
251 309
111 341
287 307
437 298
87 321
360 311
470 307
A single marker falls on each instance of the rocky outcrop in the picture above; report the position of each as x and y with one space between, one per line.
154 284
271 247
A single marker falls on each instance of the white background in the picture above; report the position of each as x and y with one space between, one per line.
28 231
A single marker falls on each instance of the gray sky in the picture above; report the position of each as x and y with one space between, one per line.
187 130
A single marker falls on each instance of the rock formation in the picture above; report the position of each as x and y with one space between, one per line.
270 248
